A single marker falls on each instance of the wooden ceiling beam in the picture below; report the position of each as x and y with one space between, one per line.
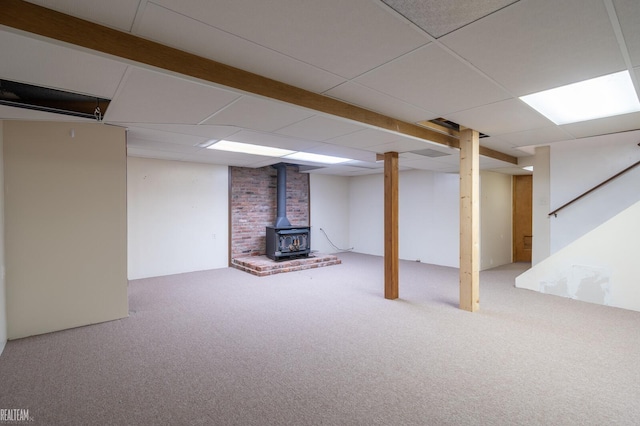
48 23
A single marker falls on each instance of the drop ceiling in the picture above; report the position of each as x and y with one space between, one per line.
409 60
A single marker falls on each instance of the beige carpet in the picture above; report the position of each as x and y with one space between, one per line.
323 347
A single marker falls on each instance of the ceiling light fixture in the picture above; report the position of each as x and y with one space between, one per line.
600 97
207 144
316 158
268 151
247 148
528 168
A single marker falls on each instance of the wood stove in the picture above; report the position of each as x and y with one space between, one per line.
284 241
288 242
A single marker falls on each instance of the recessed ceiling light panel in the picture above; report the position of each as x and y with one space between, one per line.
600 97
247 148
317 158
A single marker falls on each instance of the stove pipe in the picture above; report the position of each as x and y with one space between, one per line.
281 194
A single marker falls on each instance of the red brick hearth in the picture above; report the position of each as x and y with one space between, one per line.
263 266
253 208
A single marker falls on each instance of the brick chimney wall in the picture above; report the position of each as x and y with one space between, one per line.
254 203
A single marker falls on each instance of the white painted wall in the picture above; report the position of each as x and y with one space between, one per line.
177 217
429 206
496 214
428 216
540 205
599 267
577 166
329 203
366 214
3 299
65 225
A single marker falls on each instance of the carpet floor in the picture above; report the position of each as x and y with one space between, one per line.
323 347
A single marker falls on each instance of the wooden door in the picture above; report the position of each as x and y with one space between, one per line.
522 235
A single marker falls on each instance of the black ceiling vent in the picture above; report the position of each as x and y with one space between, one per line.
38 98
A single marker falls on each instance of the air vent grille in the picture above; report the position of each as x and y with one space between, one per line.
430 153
21 95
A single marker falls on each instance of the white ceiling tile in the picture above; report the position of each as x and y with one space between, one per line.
364 138
345 40
530 44
536 45
604 126
451 160
446 164
151 97
345 170
498 144
268 139
367 164
508 116
628 13
204 131
259 114
326 171
510 170
438 17
404 144
319 128
426 163
368 98
492 163
507 148
342 151
40 63
433 80
266 161
539 136
226 158
133 142
154 135
176 30
113 13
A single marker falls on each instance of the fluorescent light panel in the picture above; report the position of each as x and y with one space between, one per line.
247 148
316 158
600 97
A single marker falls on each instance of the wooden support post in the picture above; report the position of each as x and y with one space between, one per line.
391 225
469 220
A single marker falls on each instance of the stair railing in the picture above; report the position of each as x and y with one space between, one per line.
555 212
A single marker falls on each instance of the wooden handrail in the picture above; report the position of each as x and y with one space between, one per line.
555 212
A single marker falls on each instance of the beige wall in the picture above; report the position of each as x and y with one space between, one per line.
496 211
329 205
178 217
65 216
541 205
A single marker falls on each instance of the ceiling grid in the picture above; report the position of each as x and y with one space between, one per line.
409 60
